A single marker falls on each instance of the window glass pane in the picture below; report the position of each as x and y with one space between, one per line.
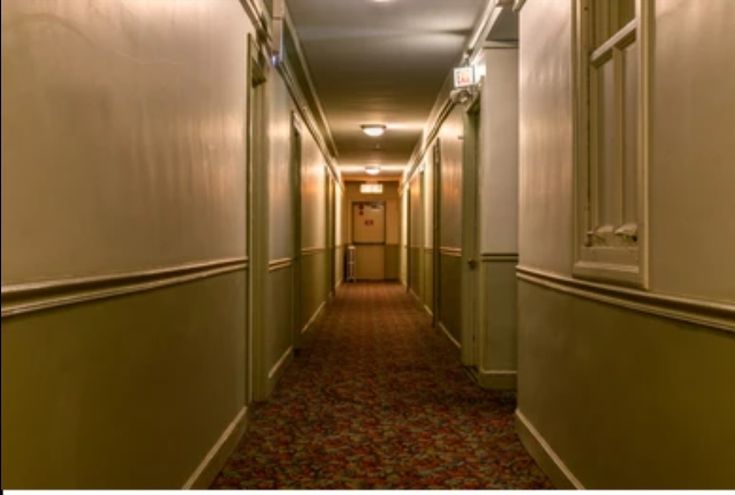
608 184
630 135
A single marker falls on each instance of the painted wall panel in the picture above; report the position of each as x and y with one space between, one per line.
280 210
451 136
124 125
128 392
692 173
546 147
428 204
498 162
612 390
314 284
404 236
450 312
313 194
279 316
500 309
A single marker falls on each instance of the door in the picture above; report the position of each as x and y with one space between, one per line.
257 222
470 255
368 236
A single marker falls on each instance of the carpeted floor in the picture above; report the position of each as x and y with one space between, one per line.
377 399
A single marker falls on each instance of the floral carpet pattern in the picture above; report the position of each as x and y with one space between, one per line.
377 398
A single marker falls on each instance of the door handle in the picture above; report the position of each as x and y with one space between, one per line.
472 263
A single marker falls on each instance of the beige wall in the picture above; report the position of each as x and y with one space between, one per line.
123 151
692 172
630 395
545 103
124 123
498 153
313 194
280 172
451 138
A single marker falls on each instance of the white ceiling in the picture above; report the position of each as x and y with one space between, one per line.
381 62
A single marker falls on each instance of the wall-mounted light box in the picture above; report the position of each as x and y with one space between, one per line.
369 188
464 77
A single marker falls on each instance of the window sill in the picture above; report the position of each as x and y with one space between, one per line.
629 275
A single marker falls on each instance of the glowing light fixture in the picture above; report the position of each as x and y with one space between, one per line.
372 170
373 130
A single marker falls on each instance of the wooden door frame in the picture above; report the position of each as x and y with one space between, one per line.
470 251
257 219
295 157
436 239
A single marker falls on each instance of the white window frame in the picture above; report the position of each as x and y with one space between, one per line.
616 264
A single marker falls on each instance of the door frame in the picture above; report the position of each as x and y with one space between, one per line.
470 249
384 204
436 235
296 155
257 219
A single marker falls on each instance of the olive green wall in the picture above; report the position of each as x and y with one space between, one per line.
314 284
450 295
427 296
626 399
631 388
127 392
497 338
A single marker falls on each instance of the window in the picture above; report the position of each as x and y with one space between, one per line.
611 135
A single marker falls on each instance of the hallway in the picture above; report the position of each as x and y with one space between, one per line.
533 199
377 399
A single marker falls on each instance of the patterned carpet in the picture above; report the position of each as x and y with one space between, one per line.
377 399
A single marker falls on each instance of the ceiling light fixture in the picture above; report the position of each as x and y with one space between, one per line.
373 130
372 170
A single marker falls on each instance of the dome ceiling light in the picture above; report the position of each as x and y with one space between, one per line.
372 170
373 130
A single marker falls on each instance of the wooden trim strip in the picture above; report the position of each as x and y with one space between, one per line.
279 264
711 314
449 335
314 317
550 462
215 459
604 50
30 297
313 251
451 251
254 11
278 367
498 257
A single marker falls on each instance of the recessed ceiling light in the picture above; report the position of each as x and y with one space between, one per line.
372 170
373 130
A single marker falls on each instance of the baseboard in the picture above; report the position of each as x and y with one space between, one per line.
496 379
544 455
428 310
314 317
215 459
278 368
449 335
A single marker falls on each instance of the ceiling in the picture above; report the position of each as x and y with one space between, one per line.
381 62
